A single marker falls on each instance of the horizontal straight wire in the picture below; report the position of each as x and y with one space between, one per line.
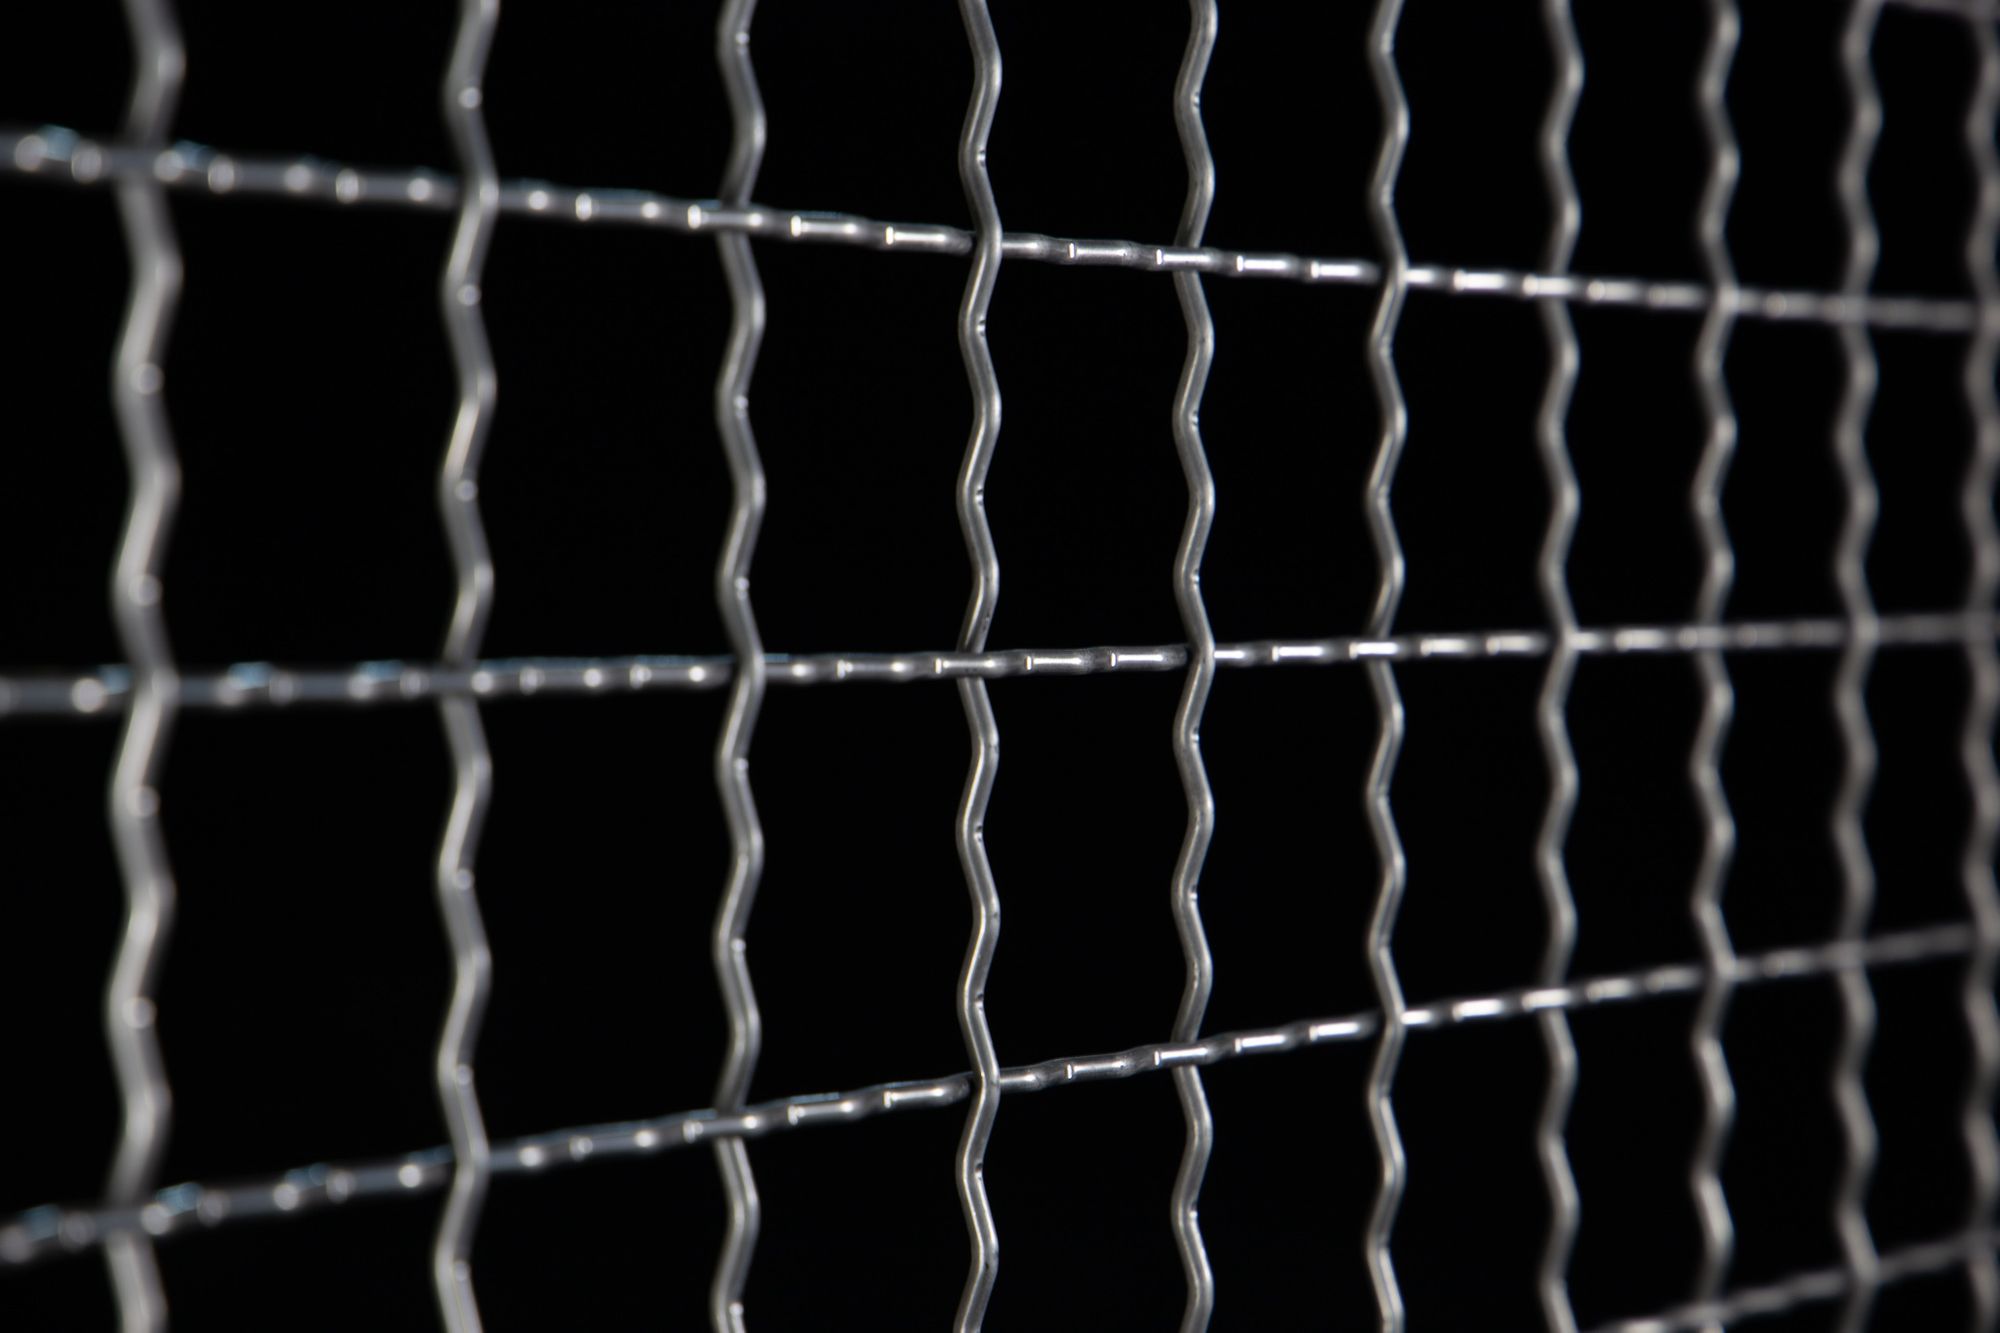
1812 1287
58 154
262 684
45 1232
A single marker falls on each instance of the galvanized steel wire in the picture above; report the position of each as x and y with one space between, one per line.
148 690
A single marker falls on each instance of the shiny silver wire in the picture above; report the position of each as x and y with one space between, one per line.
58 155
746 693
138 383
458 501
1718 695
1381 677
1202 21
1551 717
149 690
1857 870
248 685
971 822
43 1233
1982 362
1814 1287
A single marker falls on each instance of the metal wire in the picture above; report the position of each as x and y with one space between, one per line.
1851 678
42 1233
746 694
971 830
1817 1286
137 382
1551 718
1718 696
192 166
149 690
1982 362
249 685
472 764
1202 22
1381 677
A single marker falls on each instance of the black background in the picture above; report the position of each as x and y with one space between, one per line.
310 392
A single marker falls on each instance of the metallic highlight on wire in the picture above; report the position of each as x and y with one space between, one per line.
746 693
1202 22
138 381
458 500
1982 362
250 685
47 1232
1850 1094
1815 1286
150 690
193 166
1381 677
1551 717
985 1239
1718 696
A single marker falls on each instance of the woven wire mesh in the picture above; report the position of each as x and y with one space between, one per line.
1678 828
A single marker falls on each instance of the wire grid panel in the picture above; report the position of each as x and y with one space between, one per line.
143 168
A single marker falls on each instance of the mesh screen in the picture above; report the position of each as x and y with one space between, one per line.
1500 834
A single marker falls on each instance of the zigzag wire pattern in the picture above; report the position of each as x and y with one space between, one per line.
1850 1092
1982 361
1381 678
458 501
971 832
137 385
1202 21
746 694
1551 719
1718 696
157 686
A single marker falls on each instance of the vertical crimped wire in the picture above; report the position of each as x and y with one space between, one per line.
971 824
1982 359
746 691
1381 677
137 384
1202 20
1718 695
1551 717
1857 871
458 500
